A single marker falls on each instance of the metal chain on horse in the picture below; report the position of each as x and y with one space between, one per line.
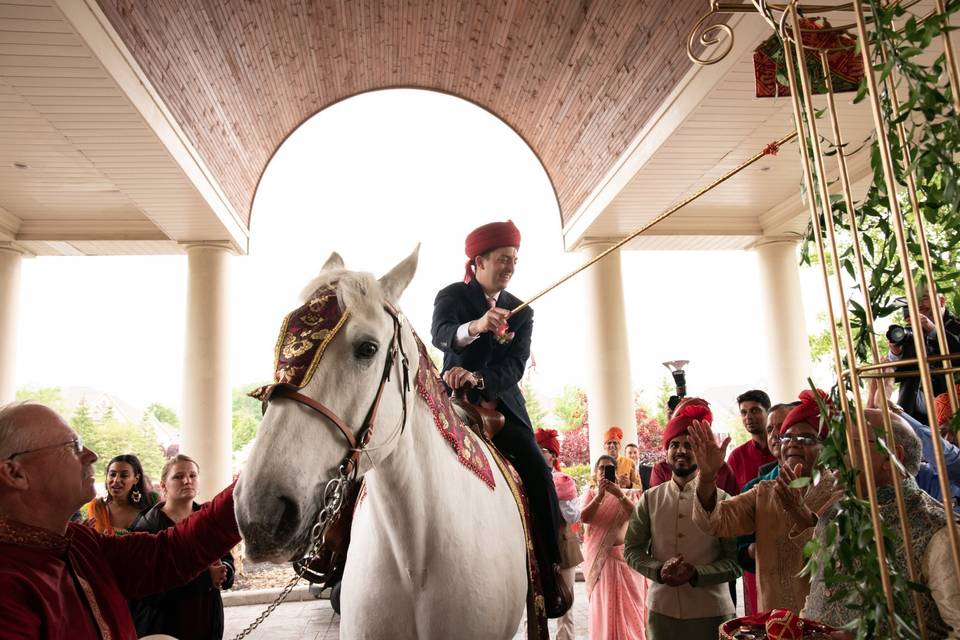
333 495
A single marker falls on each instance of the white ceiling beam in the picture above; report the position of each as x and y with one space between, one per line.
95 229
95 30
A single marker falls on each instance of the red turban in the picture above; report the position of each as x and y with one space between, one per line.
942 405
547 439
613 433
808 411
683 417
487 238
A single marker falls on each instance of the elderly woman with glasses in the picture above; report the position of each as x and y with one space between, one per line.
762 509
129 492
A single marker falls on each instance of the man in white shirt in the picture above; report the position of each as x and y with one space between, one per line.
688 569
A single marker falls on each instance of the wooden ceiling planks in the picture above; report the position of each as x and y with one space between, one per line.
576 79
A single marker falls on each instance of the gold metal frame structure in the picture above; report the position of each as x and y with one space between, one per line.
785 20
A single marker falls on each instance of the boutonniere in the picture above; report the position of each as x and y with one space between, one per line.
502 335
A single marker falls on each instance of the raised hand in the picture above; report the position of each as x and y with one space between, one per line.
791 499
710 455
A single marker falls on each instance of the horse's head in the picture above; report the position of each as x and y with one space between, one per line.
333 356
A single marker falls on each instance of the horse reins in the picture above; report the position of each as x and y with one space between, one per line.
357 441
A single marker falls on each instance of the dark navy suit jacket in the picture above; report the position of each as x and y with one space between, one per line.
501 365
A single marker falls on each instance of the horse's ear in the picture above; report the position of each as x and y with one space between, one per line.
395 282
333 262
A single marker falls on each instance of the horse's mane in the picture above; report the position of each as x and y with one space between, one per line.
351 286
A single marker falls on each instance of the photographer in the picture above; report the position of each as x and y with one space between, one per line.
900 340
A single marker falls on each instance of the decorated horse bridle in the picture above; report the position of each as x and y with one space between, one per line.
304 337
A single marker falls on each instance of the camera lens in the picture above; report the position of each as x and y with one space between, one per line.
895 334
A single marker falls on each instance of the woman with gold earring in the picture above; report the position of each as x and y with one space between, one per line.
129 492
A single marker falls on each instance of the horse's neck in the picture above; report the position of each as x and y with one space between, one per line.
406 490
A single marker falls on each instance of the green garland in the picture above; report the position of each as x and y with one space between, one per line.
847 558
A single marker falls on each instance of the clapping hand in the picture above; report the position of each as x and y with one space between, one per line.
790 498
676 571
710 455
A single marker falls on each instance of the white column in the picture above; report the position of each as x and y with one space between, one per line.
9 308
788 347
206 431
609 386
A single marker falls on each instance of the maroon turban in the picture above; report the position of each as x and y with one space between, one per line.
808 411
547 439
487 238
683 417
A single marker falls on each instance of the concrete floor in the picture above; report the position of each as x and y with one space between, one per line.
315 620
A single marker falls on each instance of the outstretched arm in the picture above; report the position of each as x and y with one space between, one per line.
175 555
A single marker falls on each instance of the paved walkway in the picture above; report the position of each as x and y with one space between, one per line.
315 620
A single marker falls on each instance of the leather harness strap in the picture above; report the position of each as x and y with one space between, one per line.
358 442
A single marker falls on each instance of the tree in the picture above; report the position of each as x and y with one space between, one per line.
110 436
665 389
163 413
82 422
49 396
575 446
246 415
534 406
649 430
570 408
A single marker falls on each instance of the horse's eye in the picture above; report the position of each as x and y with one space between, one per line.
366 350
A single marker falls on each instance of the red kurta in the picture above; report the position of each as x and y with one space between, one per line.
746 460
76 585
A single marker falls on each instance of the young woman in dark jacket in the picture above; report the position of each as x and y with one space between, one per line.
195 610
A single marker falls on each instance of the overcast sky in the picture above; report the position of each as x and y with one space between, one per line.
371 177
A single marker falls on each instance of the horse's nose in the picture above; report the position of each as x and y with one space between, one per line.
289 519
271 525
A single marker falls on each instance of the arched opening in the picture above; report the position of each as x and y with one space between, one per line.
372 176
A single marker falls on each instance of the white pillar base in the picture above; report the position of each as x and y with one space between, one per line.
788 346
609 387
10 260
206 434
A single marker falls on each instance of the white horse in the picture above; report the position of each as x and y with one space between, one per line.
435 553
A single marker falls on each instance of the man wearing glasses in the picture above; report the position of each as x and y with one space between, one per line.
64 580
761 510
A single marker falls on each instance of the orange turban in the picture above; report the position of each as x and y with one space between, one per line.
942 405
613 433
487 238
808 411
547 439
691 409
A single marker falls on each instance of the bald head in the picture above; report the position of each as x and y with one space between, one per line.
45 472
908 448
16 419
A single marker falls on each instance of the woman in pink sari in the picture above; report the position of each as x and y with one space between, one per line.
616 592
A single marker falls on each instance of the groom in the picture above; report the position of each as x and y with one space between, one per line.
485 351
